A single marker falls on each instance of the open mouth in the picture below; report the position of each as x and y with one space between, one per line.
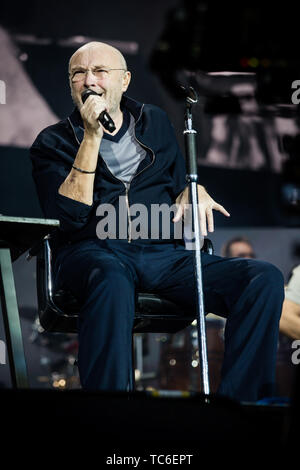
88 92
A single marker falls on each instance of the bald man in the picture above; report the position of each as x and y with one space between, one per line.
89 178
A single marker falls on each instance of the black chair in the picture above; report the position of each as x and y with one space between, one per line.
58 309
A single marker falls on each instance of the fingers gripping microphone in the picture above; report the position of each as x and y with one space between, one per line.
104 117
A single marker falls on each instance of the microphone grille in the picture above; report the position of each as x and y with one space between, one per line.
86 93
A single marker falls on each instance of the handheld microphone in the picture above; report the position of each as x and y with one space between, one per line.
103 117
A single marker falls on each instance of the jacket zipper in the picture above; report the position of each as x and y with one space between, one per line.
127 185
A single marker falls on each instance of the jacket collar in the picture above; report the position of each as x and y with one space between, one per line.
75 120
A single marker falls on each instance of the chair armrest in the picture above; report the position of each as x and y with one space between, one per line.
36 248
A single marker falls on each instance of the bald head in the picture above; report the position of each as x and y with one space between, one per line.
113 55
101 68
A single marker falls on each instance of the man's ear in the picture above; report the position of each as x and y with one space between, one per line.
126 80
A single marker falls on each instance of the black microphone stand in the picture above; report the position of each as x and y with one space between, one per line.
192 179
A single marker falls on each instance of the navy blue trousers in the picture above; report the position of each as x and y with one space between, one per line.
104 276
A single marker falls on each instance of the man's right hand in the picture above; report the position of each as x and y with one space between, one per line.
77 185
90 111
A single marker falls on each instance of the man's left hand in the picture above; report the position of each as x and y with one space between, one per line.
205 205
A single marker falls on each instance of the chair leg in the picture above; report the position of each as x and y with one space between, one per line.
131 383
11 321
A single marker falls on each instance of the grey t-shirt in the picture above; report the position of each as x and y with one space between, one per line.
121 152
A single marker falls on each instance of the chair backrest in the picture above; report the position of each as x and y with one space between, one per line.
58 309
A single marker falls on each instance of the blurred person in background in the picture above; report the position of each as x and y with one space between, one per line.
238 247
241 247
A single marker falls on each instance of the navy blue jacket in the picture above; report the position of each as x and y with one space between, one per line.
159 179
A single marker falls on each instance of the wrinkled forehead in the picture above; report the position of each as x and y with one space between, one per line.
96 56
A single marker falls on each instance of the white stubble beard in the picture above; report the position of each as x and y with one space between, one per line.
113 103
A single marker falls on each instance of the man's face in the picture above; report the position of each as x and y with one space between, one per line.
85 74
241 250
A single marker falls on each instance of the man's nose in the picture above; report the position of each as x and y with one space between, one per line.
90 79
